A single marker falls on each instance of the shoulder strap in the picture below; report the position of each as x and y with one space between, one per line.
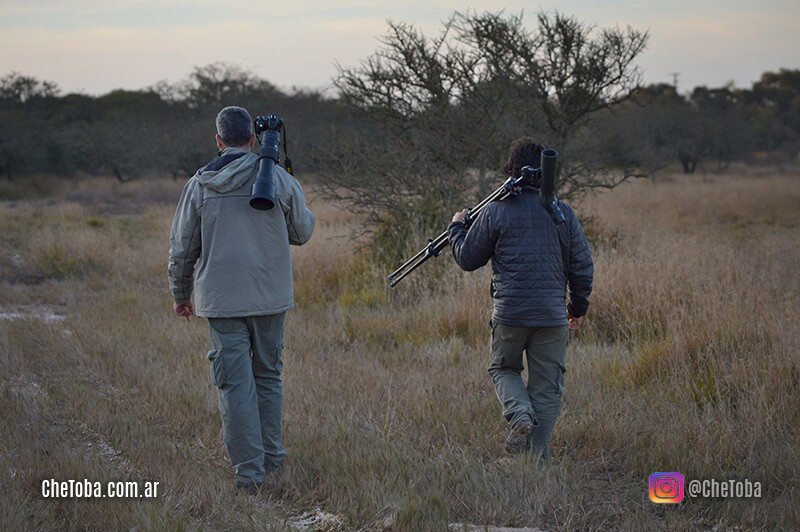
563 240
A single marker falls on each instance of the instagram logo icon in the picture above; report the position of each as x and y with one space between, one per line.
666 488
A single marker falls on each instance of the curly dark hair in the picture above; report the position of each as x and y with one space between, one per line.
524 151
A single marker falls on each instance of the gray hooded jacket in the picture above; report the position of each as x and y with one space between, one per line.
244 266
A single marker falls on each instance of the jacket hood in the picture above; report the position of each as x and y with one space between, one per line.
229 171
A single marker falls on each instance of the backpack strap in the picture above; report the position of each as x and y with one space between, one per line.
563 240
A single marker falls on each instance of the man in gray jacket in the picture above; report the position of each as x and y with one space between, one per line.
242 283
533 263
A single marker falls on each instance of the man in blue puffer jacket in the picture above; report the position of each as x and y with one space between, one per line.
534 262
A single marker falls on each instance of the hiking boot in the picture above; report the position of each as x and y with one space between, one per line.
251 487
274 472
517 440
276 480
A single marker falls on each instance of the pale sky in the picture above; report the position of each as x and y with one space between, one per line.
97 46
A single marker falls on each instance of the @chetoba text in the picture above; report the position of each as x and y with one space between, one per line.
666 488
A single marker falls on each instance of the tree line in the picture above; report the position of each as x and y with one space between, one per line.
712 127
164 130
418 109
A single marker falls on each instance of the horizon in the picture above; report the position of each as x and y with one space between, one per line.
81 47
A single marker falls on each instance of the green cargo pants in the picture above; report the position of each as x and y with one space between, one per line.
246 368
545 349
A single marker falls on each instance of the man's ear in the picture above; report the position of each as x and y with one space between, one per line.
220 144
252 141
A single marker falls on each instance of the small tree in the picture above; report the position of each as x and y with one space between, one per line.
26 139
725 132
188 139
652 129
441 112
194 103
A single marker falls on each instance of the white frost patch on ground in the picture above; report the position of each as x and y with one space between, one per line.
104 449
318 521
25 386
32 313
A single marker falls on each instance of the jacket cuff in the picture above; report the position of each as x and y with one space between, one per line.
181 300
576 312
454 230
456 225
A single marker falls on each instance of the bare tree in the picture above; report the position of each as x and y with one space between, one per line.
441 112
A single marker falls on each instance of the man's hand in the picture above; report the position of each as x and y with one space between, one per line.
185 310
573 322
460 216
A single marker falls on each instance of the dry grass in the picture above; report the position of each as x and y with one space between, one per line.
688 362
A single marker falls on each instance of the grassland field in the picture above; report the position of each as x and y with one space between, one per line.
687 361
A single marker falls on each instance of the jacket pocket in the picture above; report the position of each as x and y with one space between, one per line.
277 361
560 380
217 368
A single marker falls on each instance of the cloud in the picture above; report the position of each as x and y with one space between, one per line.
102 58
133 43
372 26
713 48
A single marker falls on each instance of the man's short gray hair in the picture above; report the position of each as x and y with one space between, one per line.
234 126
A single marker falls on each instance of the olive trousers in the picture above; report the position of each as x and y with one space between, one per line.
545 351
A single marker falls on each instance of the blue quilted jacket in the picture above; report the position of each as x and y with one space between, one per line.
533 260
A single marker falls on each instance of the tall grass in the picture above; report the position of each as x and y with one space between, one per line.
687 362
